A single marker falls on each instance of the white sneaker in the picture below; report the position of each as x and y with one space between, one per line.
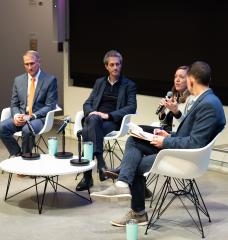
113 191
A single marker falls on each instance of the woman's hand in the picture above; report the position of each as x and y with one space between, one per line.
171 104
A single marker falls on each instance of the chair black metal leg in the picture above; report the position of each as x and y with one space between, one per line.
204 208
119 147
199 226
37 144
44 141
110 151
149 180
183 188
156 212
110 155
37 147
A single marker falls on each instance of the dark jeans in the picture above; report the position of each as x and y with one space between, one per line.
94 129
8 128
138 158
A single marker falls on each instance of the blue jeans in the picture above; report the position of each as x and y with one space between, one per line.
138 158
8 128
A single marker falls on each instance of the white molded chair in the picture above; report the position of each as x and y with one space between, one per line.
78 122
49 120
156 124
6 113
180 167
114 135
48 124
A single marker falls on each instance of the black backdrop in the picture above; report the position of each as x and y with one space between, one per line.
153 37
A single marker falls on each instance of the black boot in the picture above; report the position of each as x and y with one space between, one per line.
148 193
101 167
86 182
102 175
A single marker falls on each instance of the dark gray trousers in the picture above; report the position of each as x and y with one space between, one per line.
8 128
94 129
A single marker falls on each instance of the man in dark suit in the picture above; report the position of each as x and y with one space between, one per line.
112 97
34 95
202 123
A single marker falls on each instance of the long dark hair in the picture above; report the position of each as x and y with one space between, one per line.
181 97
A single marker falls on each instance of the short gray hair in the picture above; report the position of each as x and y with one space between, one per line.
32 53
112 53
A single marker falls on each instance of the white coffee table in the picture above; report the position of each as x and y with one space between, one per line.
47 167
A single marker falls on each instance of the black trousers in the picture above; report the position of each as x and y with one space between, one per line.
94 129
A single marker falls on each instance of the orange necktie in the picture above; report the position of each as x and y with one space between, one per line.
31 95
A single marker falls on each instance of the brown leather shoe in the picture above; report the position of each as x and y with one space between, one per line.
111 174
22 175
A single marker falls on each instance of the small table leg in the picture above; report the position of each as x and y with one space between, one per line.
47 179
8 185
40 204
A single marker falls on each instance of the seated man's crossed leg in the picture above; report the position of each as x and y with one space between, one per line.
8 128
94 129
138 158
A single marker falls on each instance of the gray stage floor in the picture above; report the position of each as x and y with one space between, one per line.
68 217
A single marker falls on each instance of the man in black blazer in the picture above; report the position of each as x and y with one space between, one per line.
202 123
112 97
44 100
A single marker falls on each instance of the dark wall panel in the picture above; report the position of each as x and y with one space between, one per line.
153 37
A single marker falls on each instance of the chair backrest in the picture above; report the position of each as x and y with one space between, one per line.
6 113
49 120
156 124
123 128
182 163
78 122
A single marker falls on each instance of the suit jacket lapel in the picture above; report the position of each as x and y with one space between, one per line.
121 94
199 100
195 105
101 91
25 89
39 85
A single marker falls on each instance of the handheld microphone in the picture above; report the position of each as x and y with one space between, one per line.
65 122
27 120
79 133
30 127
30 155
161 107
